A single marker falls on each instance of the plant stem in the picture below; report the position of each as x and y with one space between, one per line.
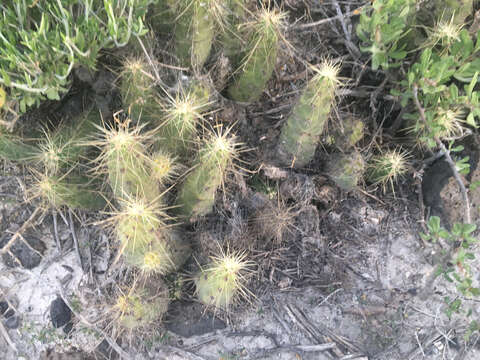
448 158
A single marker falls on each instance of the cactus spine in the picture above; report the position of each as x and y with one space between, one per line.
68 190
197 194
142 305
222 280
127 162
300 134
63 149
13 148
182 115
455 11
387 168
136 89
259 61
194 31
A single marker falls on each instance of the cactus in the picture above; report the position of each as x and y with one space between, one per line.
137 222
222 280
182 115
68 190
163 168
230 35
161 16
346 170
259 61
166 253
387 168
197 194
301 132
194 31
446 123
352 132
128 165
142 305
14 148
137 89
66 145
455 11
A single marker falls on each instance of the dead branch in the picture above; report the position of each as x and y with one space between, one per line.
449 159
355 12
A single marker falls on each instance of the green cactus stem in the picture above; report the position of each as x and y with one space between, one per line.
197 194
230 36
66 146
166 253
14 148
259 61
72 191
346 170
128 165
351 133
142 305
137 89
300 134
219 283
182 115
194 31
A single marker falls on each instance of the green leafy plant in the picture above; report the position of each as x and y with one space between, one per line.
56 36
457 268
381 30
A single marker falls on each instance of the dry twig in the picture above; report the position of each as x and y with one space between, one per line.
448 158
355 12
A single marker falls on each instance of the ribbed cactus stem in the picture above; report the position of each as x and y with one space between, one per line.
137 89
300 134
231 34
259 61
71 191
197 194
166 253
221 281
351 133
142 305
194 31
14 148
66 146
126 160
346 170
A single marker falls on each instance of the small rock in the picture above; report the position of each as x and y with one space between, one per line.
9 313
28 256
12 322
188 319
60 313
3 307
